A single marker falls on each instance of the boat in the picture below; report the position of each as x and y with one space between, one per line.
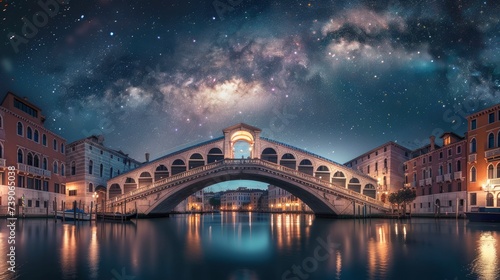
70 214
115 216
484 214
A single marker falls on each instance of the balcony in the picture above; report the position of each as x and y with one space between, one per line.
458 175
494 182
2 162
472 157
492 153
33 170
447 177
439 178
421 183
428 181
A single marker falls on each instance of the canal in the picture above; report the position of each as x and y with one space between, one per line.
253 246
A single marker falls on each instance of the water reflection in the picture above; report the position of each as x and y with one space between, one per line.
486 264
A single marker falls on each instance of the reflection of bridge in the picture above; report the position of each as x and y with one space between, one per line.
328 188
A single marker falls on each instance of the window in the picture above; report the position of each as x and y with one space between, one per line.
473 146
20 156
54 167
91 188
430 158
30 202
490 171
430 190
449 203
449 168
20 181
91 166
473 124
491 118
489 199
29 183
368 169
440 189
57 188
46 186
1 153
73 168
29 133
54 144
35 136
385 163
440 154
449 152
19 129
36 161
459 186
423 160
62 169
101 170
498 137
459 149
111 172
29 160
491 141
25 108
449 187
44 140
473 174
440 171
385 149
62 148
72 192
38 184
459 166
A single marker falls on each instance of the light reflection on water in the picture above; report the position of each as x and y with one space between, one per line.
256 247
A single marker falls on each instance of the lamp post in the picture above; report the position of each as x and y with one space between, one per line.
94 200
488 188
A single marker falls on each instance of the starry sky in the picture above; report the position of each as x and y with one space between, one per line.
336 78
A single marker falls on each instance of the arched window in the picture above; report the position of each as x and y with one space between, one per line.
44 165
490 171
36 161
35 136
54 167
29 160
491 141
62 148
101 170
29 133
19 129
62 169
473 174
1 150
20 156
385 163
473 146
91 166
459 166
489 199
54 145
91 188
44 140
73 168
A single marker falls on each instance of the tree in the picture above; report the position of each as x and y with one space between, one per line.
402 197
215 202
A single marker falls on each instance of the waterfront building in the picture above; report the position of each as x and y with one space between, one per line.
37 154
436 174
282 201
241 199
483 162
90 165
385 164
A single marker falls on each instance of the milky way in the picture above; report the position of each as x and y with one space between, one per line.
333 77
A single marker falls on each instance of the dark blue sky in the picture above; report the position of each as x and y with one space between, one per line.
334 77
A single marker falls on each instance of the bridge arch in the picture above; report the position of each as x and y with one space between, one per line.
145 179
354 185
323 172
214 154
306 167
270 155
178 166
369 190
129 185
161 172
288 160
196 160
114 191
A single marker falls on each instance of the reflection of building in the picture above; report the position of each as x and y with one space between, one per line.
483 164
36 153
384 163
90 165
436 175
280 200
241 199
193 203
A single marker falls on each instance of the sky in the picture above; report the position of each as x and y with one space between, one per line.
336 78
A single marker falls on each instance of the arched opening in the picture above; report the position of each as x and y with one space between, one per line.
339 179
29 159
288 160
178 166
242 150
306 166
20 156
491 141
215 154
196 160
73 168
36 161
354 185
323 173
129 185
473 147
490 171
114 191
473 174
369 190
145 179
269 154
161 172
489 199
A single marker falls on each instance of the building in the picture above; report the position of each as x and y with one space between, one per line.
436 174
384 163
37 154
241 199
90 165
282 201
483 162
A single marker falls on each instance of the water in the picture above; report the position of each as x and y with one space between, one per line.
254 246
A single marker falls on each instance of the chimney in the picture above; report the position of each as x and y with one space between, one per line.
147 157
433 140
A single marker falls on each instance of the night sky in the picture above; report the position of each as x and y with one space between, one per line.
334 77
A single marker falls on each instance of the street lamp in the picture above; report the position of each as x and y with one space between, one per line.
94 198
488 188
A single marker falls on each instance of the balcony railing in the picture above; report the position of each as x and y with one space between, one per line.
439 178
428 181
495 181
421 183
33 170
492 153
472 157
2 162
447 177
457 175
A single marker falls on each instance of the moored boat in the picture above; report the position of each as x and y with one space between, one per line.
70 215
115 216
484 214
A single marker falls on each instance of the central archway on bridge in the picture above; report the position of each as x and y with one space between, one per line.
238 133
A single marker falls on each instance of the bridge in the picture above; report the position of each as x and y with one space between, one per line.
327 187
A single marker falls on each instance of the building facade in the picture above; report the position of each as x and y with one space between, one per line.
280 200
483 163
437 175
240 199
385 164
90 165
37 154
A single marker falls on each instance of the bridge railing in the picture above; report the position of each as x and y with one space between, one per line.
257 162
